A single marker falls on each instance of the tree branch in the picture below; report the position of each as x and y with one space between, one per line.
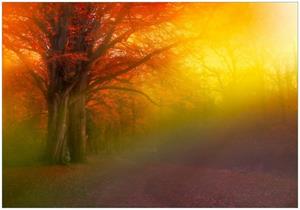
132 66
42 27
105 45
41 83
120 38
126 89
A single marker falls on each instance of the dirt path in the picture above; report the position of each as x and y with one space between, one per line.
122 183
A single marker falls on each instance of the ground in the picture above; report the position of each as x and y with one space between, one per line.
182 177
152 185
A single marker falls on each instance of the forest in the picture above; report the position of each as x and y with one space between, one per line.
150 94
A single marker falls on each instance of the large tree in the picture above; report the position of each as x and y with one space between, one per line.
73 50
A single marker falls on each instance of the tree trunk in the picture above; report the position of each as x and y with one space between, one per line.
67 130
67 121
58 123
77 130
